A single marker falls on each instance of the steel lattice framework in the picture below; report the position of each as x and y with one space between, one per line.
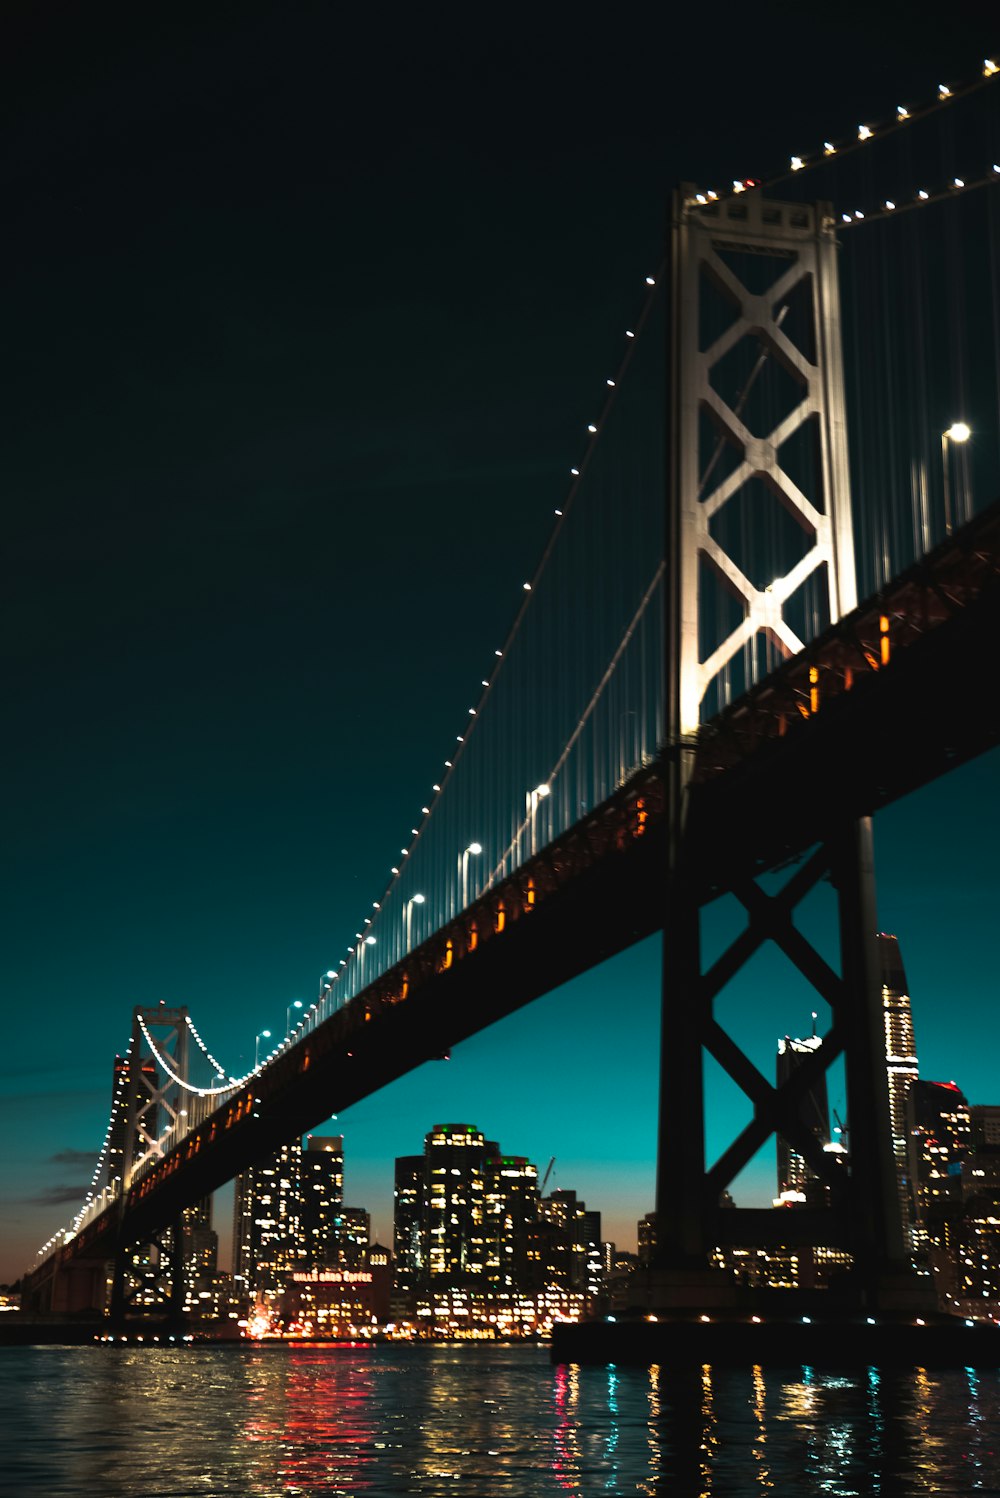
800 238
863 1214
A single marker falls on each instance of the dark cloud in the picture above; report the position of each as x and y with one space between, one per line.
55 1196
72 1157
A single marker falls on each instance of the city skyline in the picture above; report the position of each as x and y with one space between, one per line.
760 1183
250 600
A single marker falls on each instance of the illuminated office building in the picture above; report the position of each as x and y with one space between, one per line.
268 1243
566 1250
439 1217
464 1215
510 1206
901 1066
975 1287
939 1142
321 1187
455 1234
351 1238
408 1242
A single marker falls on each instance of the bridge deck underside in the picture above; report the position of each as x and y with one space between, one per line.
771 781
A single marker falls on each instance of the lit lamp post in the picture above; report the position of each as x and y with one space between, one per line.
369 941
473 851
531 806
264 1035
295 1004
957 432
408 916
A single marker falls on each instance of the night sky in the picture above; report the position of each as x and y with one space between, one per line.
304 318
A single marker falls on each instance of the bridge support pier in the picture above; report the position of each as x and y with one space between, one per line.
863 1217
738 271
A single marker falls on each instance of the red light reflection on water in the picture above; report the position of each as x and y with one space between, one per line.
566 1461
328 1438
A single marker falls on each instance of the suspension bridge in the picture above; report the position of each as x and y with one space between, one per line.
805 412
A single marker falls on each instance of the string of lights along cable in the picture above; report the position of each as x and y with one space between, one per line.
570 704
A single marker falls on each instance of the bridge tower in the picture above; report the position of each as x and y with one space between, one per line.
148 1278
772 269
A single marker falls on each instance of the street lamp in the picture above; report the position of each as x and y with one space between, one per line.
473 850
408 914
531 806
957 432
295 1004
264 1035
369 941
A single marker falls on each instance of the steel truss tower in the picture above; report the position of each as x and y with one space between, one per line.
148 1275
788 254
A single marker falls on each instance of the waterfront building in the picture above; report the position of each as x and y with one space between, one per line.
338 1301
289 1217
479 1313
476 1251
939 1144
977 1269
939 1129
782 1267
565 1249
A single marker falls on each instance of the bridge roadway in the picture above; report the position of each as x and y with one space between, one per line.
891 697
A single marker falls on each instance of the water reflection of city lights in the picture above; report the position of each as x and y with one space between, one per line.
759 1404
710 1438
566 1458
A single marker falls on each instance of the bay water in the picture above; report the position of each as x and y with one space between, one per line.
480 1420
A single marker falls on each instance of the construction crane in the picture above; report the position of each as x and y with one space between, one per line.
545 1177
841 1128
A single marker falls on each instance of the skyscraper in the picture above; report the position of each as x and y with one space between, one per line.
901 1066
566 1247
409 1207
455 1157
939 1141
352 1238
464 1214
321 1185
267 1222
794 1175
511 1206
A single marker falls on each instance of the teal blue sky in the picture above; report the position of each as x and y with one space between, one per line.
309 319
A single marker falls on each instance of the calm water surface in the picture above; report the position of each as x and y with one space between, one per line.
476 1420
